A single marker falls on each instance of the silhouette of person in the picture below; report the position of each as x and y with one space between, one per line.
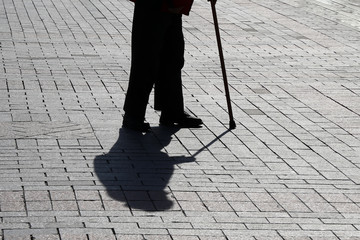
157 58
136 171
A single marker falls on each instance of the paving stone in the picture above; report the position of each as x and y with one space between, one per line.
290 170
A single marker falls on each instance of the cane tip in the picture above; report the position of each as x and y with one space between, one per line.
232 124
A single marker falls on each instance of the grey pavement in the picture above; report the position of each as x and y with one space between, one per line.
290 170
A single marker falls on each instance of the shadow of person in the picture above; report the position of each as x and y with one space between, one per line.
137 169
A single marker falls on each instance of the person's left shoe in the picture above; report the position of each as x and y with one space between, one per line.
183 120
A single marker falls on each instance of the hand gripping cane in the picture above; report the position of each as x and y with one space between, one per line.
228 100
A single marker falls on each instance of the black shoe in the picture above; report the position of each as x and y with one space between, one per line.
136 124
183 120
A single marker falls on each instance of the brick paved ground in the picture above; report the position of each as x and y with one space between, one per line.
290 170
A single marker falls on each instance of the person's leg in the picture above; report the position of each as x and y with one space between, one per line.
147 34
168 87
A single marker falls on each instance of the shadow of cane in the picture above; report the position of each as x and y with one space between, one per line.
137 169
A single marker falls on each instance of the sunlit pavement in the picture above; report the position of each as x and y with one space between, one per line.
290 169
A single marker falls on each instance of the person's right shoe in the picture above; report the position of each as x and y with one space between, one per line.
183 120
136 124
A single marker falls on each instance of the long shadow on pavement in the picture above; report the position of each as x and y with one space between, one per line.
137 169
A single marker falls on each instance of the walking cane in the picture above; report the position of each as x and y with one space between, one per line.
228 100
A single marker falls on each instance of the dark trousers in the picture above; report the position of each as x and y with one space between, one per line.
157 59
